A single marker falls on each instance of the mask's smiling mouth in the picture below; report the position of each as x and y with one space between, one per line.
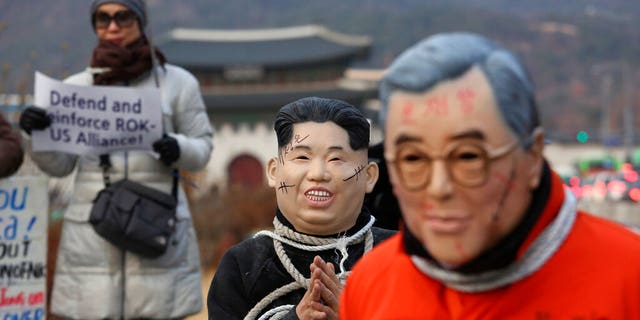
318 197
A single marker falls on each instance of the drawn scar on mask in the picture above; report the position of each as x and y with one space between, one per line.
284 187
460 250
509 186
509 183
356 173
289 147
297 138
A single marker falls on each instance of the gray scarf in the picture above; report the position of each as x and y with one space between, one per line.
540 251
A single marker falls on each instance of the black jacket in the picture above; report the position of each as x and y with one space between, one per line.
381 201
251 270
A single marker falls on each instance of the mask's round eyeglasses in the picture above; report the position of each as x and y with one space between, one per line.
467 163
123 19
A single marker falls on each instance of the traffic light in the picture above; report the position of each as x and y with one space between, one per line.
582 136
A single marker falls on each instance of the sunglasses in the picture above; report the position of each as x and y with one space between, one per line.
123 19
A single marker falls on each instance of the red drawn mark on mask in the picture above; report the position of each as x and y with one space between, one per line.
437 106
407 111
428 206
465 98
506 181
461 252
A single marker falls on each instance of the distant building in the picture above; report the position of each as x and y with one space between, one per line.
247 75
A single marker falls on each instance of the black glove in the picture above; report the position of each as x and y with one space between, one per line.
34 118
168 149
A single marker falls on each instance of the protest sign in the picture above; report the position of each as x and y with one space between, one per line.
23 247
96 119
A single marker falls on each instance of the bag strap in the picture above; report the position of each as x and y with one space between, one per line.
105 164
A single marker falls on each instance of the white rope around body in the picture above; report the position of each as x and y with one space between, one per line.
277 313
283 234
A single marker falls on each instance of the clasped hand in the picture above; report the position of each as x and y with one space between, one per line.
322 297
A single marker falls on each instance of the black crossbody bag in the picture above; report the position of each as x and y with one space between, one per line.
134 217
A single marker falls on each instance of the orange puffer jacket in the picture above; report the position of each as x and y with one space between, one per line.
594 274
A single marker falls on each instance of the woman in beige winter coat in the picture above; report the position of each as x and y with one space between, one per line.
94 279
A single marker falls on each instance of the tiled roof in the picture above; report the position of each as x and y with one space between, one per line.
261 99
207 48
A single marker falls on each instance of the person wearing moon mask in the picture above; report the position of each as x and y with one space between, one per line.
489 232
